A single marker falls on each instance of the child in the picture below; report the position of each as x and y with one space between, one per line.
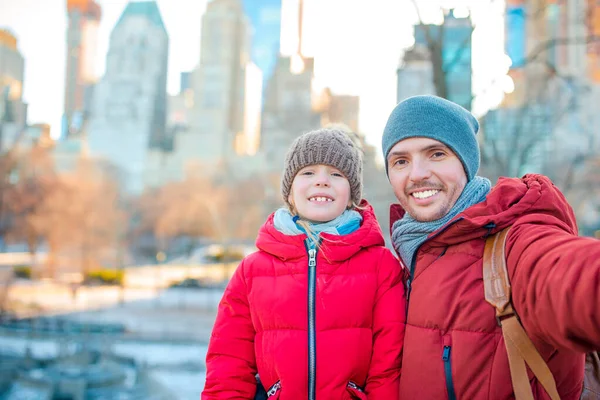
318 312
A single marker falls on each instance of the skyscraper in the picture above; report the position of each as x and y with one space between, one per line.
593 30
552 31
289 106
455 41
129 108
415 73
219 81
82 36
13 112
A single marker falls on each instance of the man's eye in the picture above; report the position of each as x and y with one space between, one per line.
439 154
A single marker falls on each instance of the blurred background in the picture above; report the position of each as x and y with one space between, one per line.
141 144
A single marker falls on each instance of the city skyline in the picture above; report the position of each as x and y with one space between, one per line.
341 56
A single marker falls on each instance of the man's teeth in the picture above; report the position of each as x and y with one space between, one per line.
320 199
425 194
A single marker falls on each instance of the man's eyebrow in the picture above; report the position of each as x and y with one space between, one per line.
439 146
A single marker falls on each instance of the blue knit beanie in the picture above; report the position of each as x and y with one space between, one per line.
435 118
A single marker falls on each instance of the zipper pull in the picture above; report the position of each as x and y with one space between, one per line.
312 258
446 353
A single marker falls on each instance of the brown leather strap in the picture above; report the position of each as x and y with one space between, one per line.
518 371
519 348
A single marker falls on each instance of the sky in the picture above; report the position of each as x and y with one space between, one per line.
357 47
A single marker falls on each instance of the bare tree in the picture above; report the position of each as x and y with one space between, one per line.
80 220
201 207
24 197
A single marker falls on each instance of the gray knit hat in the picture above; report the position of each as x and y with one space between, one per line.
328 146
439 119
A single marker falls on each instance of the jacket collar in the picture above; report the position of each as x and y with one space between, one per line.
336 248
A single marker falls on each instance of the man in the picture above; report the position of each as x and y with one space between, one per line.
453 345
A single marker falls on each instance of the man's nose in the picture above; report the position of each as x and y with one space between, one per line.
419 171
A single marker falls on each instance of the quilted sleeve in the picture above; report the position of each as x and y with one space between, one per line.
230 360
555 278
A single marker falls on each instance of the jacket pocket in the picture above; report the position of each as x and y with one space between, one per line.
356 392
447 359
274 391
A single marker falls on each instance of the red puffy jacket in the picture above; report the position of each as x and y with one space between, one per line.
453 342
337 327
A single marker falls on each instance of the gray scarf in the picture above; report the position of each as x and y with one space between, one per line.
409 234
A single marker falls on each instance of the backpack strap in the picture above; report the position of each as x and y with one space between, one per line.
519 348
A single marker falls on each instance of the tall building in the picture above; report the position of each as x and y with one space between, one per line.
531 24
185 81
220 81
265 21
455 41
13 112
593 30
82 36
415 73
549 118
337 109
129 109
288 109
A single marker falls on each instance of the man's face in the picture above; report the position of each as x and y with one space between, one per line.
427 177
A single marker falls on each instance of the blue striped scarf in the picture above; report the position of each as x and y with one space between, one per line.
409 234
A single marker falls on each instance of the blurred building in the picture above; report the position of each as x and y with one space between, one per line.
455 41
337 109
265 22
551 117
129 109
288 109
592 29
80 76
13 112
415 73
185 81
222 83
531 24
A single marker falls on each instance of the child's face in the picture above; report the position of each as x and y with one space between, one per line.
320 193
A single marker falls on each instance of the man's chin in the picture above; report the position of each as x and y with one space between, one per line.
425 215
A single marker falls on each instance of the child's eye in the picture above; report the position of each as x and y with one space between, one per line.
339 175
306 173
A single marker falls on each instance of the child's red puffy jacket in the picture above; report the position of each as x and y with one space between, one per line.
334 330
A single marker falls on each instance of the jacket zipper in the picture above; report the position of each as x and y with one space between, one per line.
355 387
312 343
274 389
446 357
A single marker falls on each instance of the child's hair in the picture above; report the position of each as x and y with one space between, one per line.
327 146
